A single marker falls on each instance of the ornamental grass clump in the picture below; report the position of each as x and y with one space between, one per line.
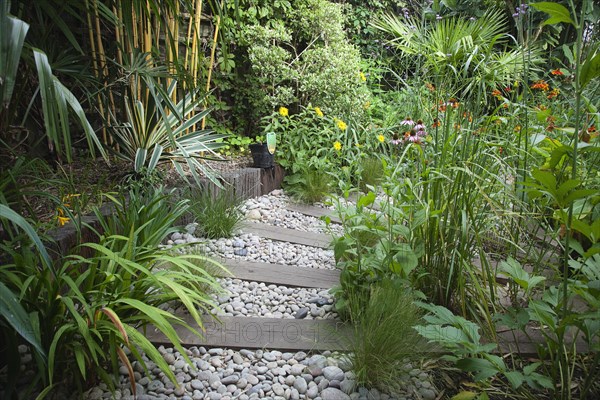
218 214
384 338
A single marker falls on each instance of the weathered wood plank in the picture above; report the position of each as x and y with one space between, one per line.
286 275
313 211
258 333
288 235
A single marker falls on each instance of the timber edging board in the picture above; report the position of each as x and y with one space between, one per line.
313 211
256 333
288 235
280 274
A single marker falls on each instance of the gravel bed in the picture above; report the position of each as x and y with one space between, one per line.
251 247
257 299
224 374
271 209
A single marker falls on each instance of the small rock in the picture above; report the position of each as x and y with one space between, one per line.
347 386
333 373
301 313
301 385
334 394
253 215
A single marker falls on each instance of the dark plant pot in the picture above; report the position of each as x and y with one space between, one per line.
261 156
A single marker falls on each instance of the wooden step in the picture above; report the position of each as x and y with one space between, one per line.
288 235
279 274
258 333
317 212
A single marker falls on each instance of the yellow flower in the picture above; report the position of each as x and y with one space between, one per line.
381 138
318 111
367 105
283 111
341 124
337 146
62 220
363 77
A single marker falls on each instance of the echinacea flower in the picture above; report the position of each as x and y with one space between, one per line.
337 146
283 111
419 126
341 125
318 112
395 139
407 122
381 138
436 123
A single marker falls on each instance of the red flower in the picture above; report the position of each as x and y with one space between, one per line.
557 72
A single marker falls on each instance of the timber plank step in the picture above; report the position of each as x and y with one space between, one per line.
288 235
258 333
313 211
279 274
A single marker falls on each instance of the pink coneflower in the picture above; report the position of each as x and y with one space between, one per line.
407 122
412 137
395 139
419 126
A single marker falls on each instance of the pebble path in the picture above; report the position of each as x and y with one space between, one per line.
226 374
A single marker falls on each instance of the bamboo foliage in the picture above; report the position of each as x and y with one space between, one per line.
152 28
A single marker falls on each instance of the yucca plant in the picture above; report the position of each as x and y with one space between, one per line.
166 133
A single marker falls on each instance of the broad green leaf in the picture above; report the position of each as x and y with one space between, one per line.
12 37
464 395
515 378
590 69
17 317
8 213
558 13
366 200
482 368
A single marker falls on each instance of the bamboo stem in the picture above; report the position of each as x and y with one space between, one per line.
212 62
95 64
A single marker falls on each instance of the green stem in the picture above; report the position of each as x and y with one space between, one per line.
562 358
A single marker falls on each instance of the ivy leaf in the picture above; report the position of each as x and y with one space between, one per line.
558 13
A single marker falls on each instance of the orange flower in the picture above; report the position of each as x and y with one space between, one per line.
557 72
555 92
496 93
517 128
430 86
541 85
442 108
436 123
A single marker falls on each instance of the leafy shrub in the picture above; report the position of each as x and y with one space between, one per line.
293 54
217 214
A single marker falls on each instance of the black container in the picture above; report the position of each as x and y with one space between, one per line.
261 156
